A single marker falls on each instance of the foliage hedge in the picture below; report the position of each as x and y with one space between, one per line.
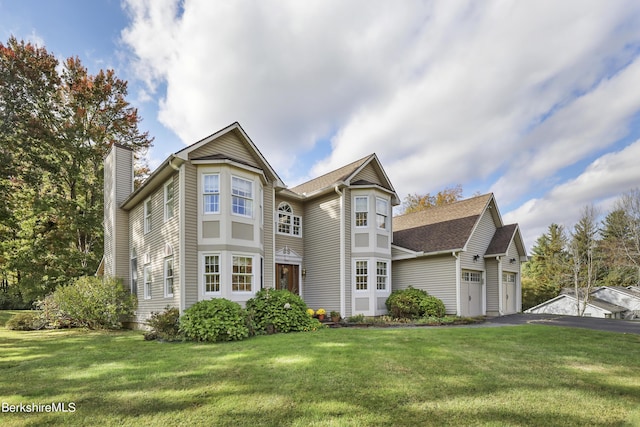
273 311
414 303
26 321
91 302
214 320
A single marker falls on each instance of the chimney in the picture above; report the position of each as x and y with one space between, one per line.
118 185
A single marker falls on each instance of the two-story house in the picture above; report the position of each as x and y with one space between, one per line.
214 220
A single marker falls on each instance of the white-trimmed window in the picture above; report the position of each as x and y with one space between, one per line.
288 223
211 274
472 276
168 276
168 200
147 215
382 275
382 212
211 193
242 274
362 275
147 281
134 272
362 211
509 277
241 196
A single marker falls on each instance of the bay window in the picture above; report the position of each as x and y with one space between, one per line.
241 196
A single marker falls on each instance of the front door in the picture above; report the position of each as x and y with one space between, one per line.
287 277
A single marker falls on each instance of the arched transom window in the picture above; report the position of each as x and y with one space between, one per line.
288 223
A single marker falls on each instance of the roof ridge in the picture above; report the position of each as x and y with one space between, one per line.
442 207
358 162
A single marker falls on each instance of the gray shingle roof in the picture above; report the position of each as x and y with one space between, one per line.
441 236
331 178
439 228
501 240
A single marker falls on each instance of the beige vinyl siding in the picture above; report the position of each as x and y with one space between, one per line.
321 230
228 144
512 252
268 237
348 264
118 176
293 242
191 235
368 173
109 215
493 281
478 243
153 243
436 275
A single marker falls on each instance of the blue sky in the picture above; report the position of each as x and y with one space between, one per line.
538 102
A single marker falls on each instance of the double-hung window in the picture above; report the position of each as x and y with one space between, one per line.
168 276
134 272
382 212
241 196
381 275
147 281
211 193
168 201
147 215
362 210
242 275
212 273
362 275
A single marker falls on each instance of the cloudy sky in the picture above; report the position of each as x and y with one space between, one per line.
536 101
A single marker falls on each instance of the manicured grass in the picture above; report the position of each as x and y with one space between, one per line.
523 375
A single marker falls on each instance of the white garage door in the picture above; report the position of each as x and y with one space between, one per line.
471 293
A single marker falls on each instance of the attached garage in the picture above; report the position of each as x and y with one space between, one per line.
471 293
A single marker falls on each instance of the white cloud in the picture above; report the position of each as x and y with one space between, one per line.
601 183
444 92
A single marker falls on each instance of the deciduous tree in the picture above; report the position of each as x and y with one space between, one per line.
418 202
57 124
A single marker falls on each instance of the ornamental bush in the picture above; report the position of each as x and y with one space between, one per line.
91 302
214 320
164 325
26 321
413 303
432 307
272 311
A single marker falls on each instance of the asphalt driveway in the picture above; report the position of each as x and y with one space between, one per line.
610 325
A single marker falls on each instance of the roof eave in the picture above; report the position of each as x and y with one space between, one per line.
158 176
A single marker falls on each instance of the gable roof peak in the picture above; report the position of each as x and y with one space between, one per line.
332 178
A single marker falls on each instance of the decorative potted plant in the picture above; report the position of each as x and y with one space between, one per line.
335 316
310 312
321 312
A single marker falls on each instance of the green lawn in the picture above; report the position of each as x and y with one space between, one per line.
521 375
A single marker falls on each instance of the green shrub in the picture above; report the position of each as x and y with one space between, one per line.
26 321
358 318
413 303
432 307
165 325
273 311
214 320
51 314
92 302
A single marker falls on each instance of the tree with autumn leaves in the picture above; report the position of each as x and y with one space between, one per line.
57 123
